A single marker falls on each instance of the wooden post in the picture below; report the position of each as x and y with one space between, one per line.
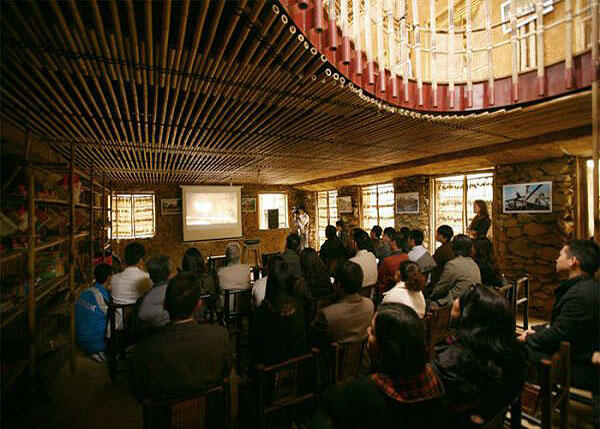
568 44
404 47
356 32
539 32
595 119
92 224
433 54
451 69
469 55
369 44
332 27
31 274
490 54
380 41
345 32
104 203
72 256
417 30
392 47
515 50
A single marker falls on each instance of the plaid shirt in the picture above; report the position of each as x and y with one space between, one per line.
416 388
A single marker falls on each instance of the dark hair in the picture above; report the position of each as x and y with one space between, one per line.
405 231
401 242
102 272
411 275
446 232
493 357
134 252
330 232
350 276
339 223
362 239
417 235
193 261
281 279
390 232
377 231
400 336
159 268
292 242
587 253
182 295
483 210
483 255
314 271
461 245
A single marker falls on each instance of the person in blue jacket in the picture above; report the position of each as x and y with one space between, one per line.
91 314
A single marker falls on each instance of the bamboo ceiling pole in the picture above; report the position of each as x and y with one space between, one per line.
469 90
539 31
71 258
357 66
183 20
317 10
404 47
149 42
451 64
392 58
332 26
132 30
92 223
368 23
515 50
102 38
31 277
433 53
164 43
380 42
346 52
490 52
417 30
568 44
121 53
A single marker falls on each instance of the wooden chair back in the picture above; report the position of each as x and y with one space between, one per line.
120 319
189 410
350 360
286 385
315 304
520 300
215 262
430 322
236 304
441 323
209 307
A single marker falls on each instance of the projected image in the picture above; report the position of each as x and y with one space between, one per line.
206 209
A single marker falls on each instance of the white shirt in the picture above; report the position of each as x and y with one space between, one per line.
368 263
400 295
129 285
259 289
416 252
234 276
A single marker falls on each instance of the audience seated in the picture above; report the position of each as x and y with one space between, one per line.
386 274
418 253
259 287
485 367
344 238
402 390
183 356
291 254
315 280
347 320
389 235
234 275
332 251
382 248
152 312
364 256
132 282
90 314
444 253
575 315
193 262
278 329
408 290
459 273
483 255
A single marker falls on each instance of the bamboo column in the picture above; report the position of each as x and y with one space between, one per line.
92 225
596 118
380 60
72 250
31 270
469 55
104 211
539 32
568 44
404 47
433 54
451 68
345 32
356 32
417 31
332 27
490 53
515 50
392 47
369 44
318 15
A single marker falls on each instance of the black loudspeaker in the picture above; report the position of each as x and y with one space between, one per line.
273 218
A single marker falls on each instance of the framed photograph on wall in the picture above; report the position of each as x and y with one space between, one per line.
344 204
248 205
407 203
534 197
170 206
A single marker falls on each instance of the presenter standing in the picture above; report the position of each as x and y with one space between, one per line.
302 220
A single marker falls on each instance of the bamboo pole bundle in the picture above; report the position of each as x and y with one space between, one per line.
451 66
102 38
490 53
356 37
332 26
469 54
318 15
345 31
515 50
433 54
417 31
539 9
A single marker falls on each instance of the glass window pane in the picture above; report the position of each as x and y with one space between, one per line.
268 202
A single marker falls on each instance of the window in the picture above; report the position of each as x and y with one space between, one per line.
454 198
133 216
268 202
378 206
327 212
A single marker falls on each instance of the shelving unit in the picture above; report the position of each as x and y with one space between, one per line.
68 238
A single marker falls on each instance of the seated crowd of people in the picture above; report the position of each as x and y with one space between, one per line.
475 373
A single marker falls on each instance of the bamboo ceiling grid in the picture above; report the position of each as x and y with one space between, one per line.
215 91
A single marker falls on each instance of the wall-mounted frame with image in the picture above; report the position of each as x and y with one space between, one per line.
344 204
534 197
170 206
407 203
248 205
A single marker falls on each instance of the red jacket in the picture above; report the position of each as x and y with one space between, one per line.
386 275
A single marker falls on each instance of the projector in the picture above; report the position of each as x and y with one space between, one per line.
251 242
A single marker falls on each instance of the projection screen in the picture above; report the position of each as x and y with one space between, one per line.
211 212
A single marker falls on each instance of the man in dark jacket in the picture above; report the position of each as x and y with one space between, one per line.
444 253
575 315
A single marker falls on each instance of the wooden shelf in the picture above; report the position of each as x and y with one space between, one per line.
11 254
53 243
51 201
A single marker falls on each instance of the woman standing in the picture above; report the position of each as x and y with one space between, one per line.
481 223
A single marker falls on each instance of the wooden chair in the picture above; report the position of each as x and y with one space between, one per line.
520 299
430 322
209 307
315 304
441 323
287 385
350 360
216 262
554 378
189 410
237 304
118 337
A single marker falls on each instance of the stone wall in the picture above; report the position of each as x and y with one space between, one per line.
530 243
168 238
420 221
351 220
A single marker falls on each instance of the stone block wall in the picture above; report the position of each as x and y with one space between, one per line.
530 243
420 221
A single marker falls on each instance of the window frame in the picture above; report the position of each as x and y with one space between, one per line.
260 211
113 213
328 198
377 185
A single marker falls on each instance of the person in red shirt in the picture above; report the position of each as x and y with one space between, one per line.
386 275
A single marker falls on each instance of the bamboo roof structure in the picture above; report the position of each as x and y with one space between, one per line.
219 92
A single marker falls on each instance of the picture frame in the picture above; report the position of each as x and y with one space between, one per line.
248 205
407 203
533 197
170 206
344 204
